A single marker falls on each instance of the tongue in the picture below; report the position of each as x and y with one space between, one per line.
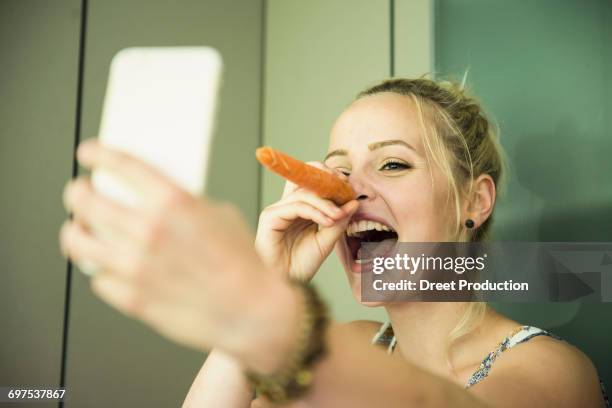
378 249
385 247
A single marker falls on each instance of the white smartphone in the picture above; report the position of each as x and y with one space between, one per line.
160 106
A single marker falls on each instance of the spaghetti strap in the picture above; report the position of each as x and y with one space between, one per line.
521 335
386 337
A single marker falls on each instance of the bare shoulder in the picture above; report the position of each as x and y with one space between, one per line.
368 325
365 328
364 324
543 369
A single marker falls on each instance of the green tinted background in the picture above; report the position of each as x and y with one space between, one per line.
544 70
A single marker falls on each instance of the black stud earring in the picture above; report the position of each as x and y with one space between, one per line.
469 223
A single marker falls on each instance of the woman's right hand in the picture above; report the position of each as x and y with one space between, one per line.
299 231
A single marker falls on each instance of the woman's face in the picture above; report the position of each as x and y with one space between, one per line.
377 141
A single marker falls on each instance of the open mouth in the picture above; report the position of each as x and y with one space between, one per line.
368 231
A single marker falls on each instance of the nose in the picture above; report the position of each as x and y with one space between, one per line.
359 184
362 187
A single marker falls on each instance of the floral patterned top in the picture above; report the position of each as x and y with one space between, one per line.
386 337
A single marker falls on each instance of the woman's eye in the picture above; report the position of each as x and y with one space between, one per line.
345 172
395 165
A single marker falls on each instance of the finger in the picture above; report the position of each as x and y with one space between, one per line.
327 207
328 236
140 175
281 217
87 267
350 208
289 188
93 209
79 245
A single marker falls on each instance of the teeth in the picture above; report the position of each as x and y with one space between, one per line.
357 227
363 226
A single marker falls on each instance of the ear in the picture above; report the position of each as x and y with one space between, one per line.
479 205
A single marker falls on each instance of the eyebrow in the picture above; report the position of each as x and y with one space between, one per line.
373 146
384 143
339 152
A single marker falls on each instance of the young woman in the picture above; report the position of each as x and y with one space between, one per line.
406 146
425 164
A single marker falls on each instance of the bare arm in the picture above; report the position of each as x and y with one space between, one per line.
220 383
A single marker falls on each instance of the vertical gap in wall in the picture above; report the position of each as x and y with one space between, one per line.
75 170
262 91
391 38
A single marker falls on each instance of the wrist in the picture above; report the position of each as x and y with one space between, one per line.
280 322
267 333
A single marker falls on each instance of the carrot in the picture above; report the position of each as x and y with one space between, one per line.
322 183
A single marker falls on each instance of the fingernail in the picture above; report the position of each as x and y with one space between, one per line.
346 207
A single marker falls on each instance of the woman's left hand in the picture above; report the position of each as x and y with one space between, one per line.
184 265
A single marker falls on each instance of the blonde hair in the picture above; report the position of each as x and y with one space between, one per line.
463 142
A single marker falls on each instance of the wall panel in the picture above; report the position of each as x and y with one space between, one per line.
319 55
38 80
543 69
113 360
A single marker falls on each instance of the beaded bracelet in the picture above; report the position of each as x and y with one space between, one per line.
294 379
